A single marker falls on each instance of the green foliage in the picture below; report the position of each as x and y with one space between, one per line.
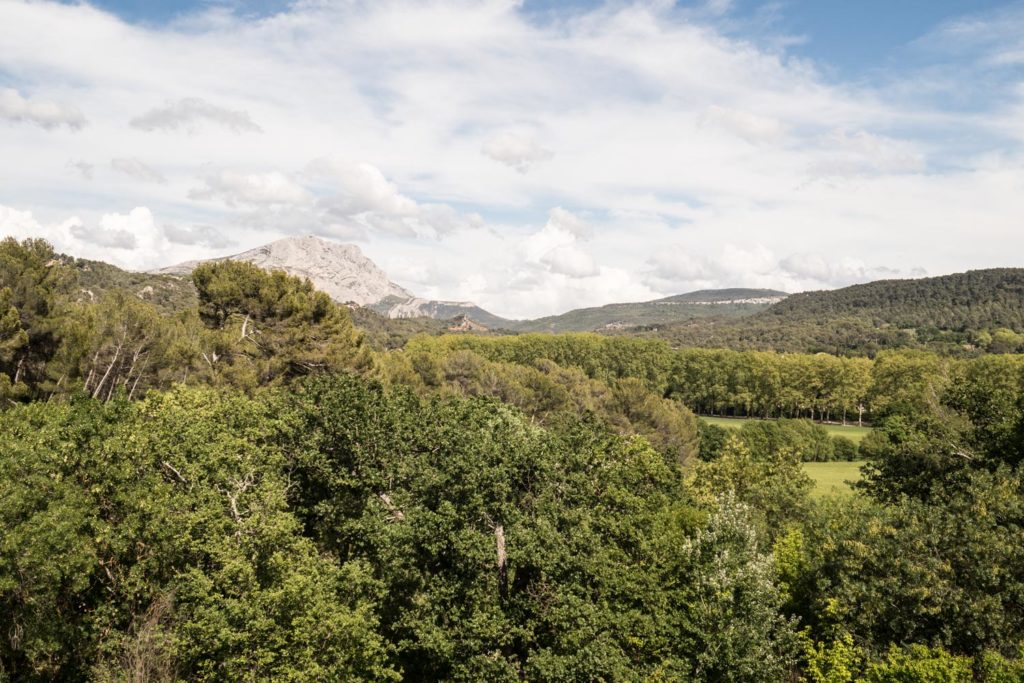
517 508
838 661
32 281
951 313
732 583
941 571
774 484
920 664
155 537
601 358
506 551
273 327
810 441
993 667
659 312
548 392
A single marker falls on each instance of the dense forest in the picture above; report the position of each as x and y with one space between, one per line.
965 313
245 488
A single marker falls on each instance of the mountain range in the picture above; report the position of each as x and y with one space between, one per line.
982 309
344 273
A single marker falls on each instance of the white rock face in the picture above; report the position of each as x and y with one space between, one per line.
339 270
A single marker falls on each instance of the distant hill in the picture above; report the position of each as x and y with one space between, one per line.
946 311
673 309
96 278
396 307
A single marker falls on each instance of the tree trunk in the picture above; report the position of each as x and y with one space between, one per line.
117 352
499 542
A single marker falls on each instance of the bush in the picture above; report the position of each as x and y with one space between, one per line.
844 449
920 664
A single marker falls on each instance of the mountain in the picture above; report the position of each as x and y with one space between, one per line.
946 312
342 272
700 304
396 307
339 270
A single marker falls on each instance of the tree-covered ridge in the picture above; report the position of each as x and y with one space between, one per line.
965 313
977 299
96 279
692 305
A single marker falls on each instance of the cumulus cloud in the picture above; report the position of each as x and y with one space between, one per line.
861 153
556 247
743 124
356 188
677 270
131 240
199 235
516 150
360 193
570 260
44 113
102 236
235 188
671 134
85 169
190 114
810 267
118 231
135 168
73 236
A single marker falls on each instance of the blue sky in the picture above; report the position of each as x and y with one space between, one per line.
855 37
530 156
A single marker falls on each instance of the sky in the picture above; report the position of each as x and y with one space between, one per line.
531 156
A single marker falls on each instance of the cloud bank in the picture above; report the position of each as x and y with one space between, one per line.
529 162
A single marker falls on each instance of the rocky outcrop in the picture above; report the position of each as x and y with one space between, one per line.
339 270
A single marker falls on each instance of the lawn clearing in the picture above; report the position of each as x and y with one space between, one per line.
851 432
830 477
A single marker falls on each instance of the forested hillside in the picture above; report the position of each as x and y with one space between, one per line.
727 303
243 489
982 309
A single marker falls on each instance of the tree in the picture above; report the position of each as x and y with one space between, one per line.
156 537
34 279
774 485
273 327
729 609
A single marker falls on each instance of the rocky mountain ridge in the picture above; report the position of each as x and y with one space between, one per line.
345 274
339 270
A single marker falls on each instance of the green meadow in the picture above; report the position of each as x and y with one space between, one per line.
852 432
832 477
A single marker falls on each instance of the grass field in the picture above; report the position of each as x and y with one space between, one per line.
852 432
831 477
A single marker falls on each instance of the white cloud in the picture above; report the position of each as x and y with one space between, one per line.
516 150
360 193
85 169
125 239
135 168
202 235
556 246
674 270
236 188
696 158
744 124
570 260
861 153
357 188
44 113
102 236
190 113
